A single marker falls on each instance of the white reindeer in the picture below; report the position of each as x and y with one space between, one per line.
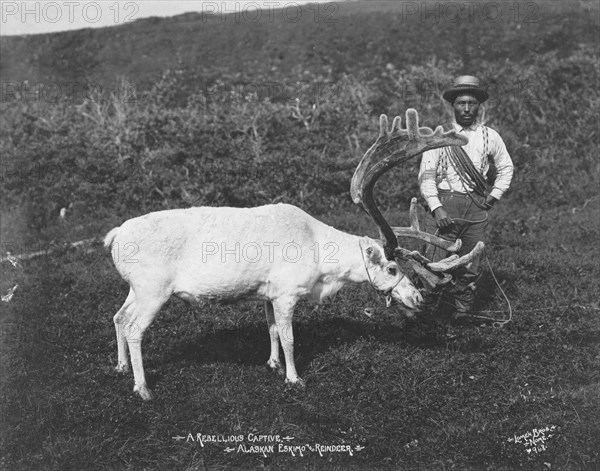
275 253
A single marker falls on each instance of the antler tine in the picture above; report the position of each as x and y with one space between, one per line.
412 123
392 148
396 124
455 261
414 232
414 217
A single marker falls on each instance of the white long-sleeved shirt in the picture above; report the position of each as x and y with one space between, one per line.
437 171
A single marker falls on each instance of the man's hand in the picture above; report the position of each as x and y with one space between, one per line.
441 218
490 201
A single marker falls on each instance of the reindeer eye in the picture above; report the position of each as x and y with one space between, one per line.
392 271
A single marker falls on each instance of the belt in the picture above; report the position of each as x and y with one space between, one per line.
455 193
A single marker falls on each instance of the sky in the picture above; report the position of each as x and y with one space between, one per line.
35 17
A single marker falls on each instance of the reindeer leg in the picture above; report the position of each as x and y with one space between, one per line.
284 311
144 311
274 363
119 319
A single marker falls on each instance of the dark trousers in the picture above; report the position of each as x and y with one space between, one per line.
470 222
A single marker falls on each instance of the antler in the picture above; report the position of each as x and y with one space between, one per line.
434 274
414 232
392 148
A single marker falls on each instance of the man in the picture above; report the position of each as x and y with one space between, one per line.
453 182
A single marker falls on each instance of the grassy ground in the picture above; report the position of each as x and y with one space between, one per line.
401 393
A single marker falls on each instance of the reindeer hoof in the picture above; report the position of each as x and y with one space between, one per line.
298 383
122 368
143 392
275 367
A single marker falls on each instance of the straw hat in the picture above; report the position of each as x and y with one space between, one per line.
465 84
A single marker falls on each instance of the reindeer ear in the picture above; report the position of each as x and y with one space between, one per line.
373 255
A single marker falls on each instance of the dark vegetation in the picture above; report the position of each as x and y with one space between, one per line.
206 111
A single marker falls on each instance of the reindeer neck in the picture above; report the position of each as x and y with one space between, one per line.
346 264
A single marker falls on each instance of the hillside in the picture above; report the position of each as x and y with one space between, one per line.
323 41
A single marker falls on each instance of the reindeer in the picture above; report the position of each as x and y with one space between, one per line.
274 253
